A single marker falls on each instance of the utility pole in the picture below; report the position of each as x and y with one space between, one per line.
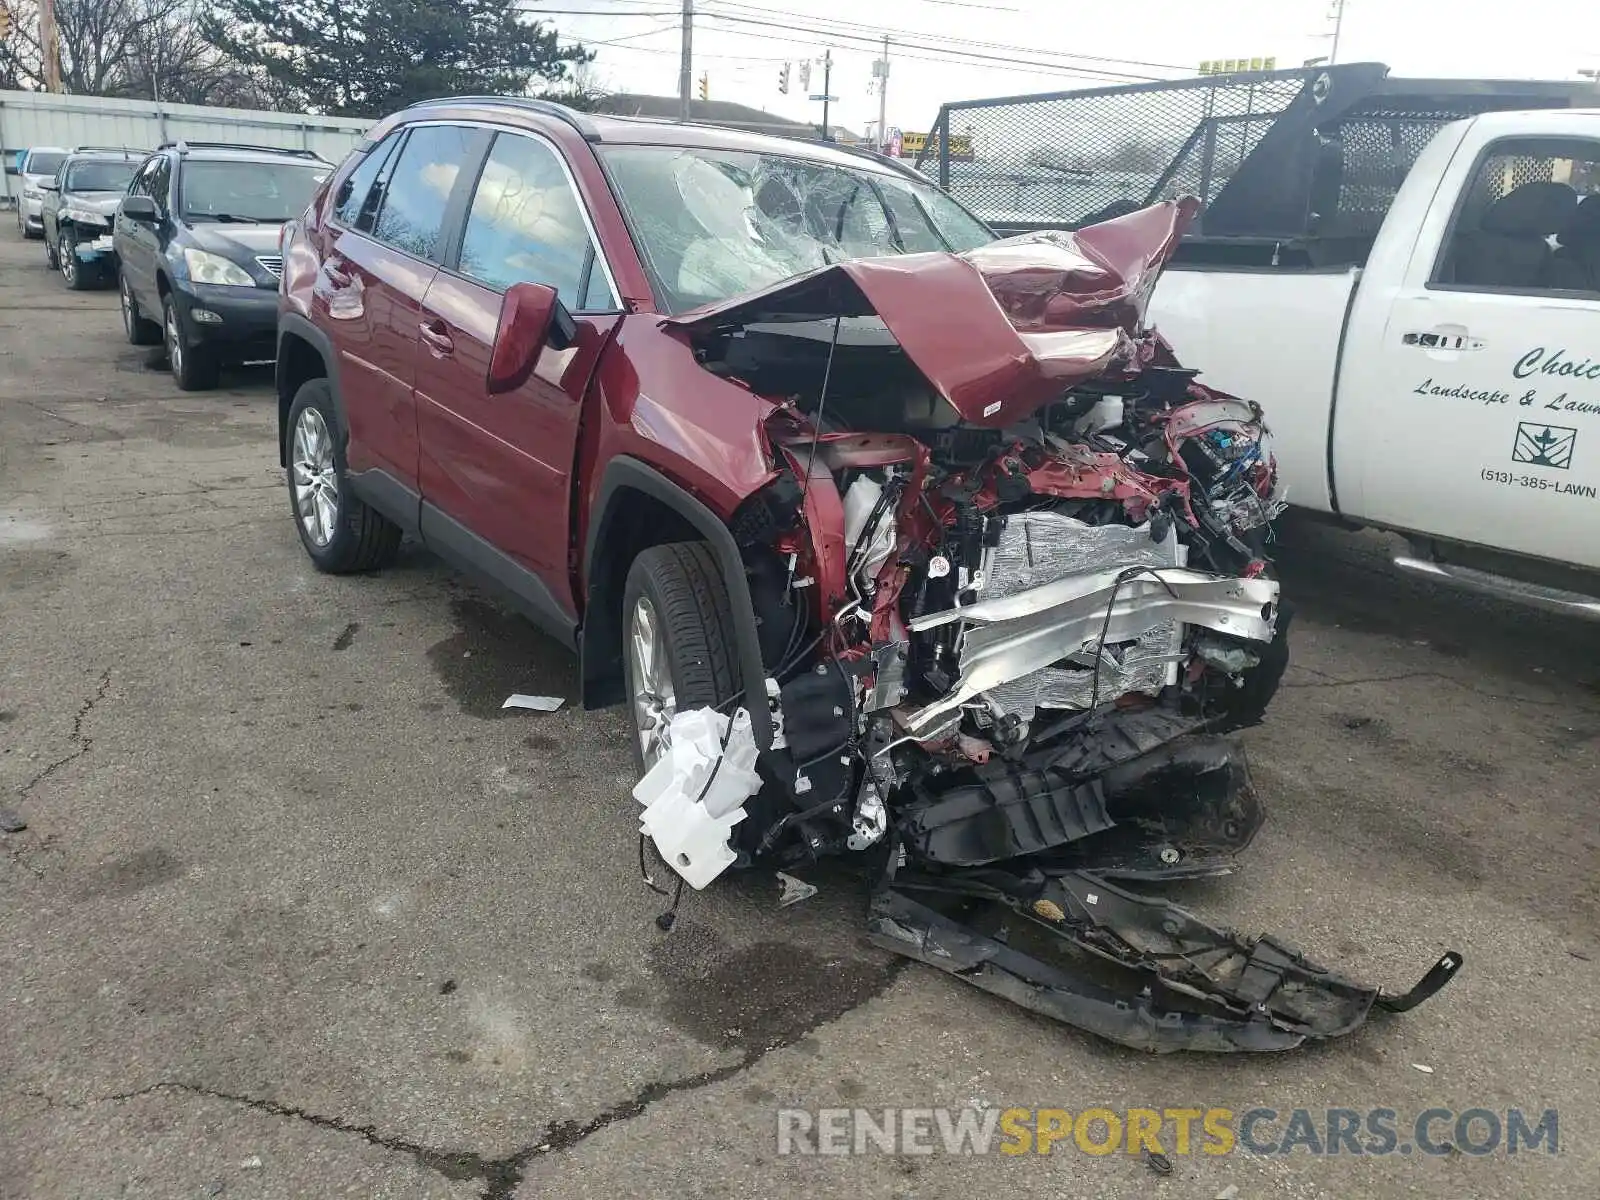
50 45
827 96
686 61
1338 25
883 97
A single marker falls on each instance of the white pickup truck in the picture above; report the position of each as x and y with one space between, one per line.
1413 298
1450 387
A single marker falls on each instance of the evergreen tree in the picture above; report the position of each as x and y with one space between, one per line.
365 58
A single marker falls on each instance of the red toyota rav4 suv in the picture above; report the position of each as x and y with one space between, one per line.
761 423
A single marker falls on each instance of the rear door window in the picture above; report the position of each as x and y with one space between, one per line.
417 198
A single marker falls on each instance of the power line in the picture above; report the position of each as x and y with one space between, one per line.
877 31
963 4
946 54
823 26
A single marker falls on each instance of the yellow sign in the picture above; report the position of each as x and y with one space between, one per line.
1230 66
913 144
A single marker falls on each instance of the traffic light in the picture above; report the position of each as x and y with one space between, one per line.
783 79
705 86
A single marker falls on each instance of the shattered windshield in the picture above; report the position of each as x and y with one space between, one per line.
712 224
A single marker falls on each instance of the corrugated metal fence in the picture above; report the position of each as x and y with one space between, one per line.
43 119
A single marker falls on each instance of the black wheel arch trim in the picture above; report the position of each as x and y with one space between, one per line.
626 472
295 325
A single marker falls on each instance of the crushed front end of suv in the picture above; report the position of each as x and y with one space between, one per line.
903 544
1012 563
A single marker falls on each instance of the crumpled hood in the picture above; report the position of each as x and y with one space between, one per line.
999 330
104 203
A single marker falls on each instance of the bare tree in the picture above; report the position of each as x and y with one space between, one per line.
146 48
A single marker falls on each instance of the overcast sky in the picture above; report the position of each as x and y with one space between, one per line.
1545 39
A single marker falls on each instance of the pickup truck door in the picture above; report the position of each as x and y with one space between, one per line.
1469 401
498 468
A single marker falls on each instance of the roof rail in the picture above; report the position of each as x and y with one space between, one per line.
184 145
579 121
129 150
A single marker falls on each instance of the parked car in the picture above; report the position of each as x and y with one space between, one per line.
79 204
197 241
36 167
776 430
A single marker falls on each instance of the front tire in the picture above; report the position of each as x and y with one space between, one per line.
141 332
51 260
195 368
73 272
341 533
678 644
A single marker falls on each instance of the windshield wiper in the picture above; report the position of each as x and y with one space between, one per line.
229 218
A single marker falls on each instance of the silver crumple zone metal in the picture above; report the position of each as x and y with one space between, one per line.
1008 638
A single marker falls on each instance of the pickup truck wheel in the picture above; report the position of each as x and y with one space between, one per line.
194 368
342 534
140 331
677 641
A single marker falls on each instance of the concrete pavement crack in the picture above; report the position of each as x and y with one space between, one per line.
81 743
1442 678
500 1176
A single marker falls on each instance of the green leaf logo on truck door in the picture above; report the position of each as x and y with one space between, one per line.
1544 445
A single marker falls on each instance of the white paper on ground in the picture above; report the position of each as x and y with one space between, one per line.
536 703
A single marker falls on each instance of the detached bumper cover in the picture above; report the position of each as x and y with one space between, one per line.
1132 969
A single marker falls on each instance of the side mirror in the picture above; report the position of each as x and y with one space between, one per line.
139 208
49 185
531 318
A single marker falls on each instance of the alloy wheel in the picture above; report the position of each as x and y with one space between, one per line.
316 483
650 678
174 340
68 257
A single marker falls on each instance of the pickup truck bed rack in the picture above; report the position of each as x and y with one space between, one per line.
1297 165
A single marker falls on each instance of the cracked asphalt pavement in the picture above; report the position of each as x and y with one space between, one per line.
299 911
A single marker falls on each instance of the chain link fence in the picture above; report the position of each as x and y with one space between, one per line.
1303 153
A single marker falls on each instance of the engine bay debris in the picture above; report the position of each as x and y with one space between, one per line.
1011 581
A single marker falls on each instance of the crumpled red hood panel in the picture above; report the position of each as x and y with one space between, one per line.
999 330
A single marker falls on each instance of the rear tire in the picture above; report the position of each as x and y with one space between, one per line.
140 331
681 587
195 368
342 534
